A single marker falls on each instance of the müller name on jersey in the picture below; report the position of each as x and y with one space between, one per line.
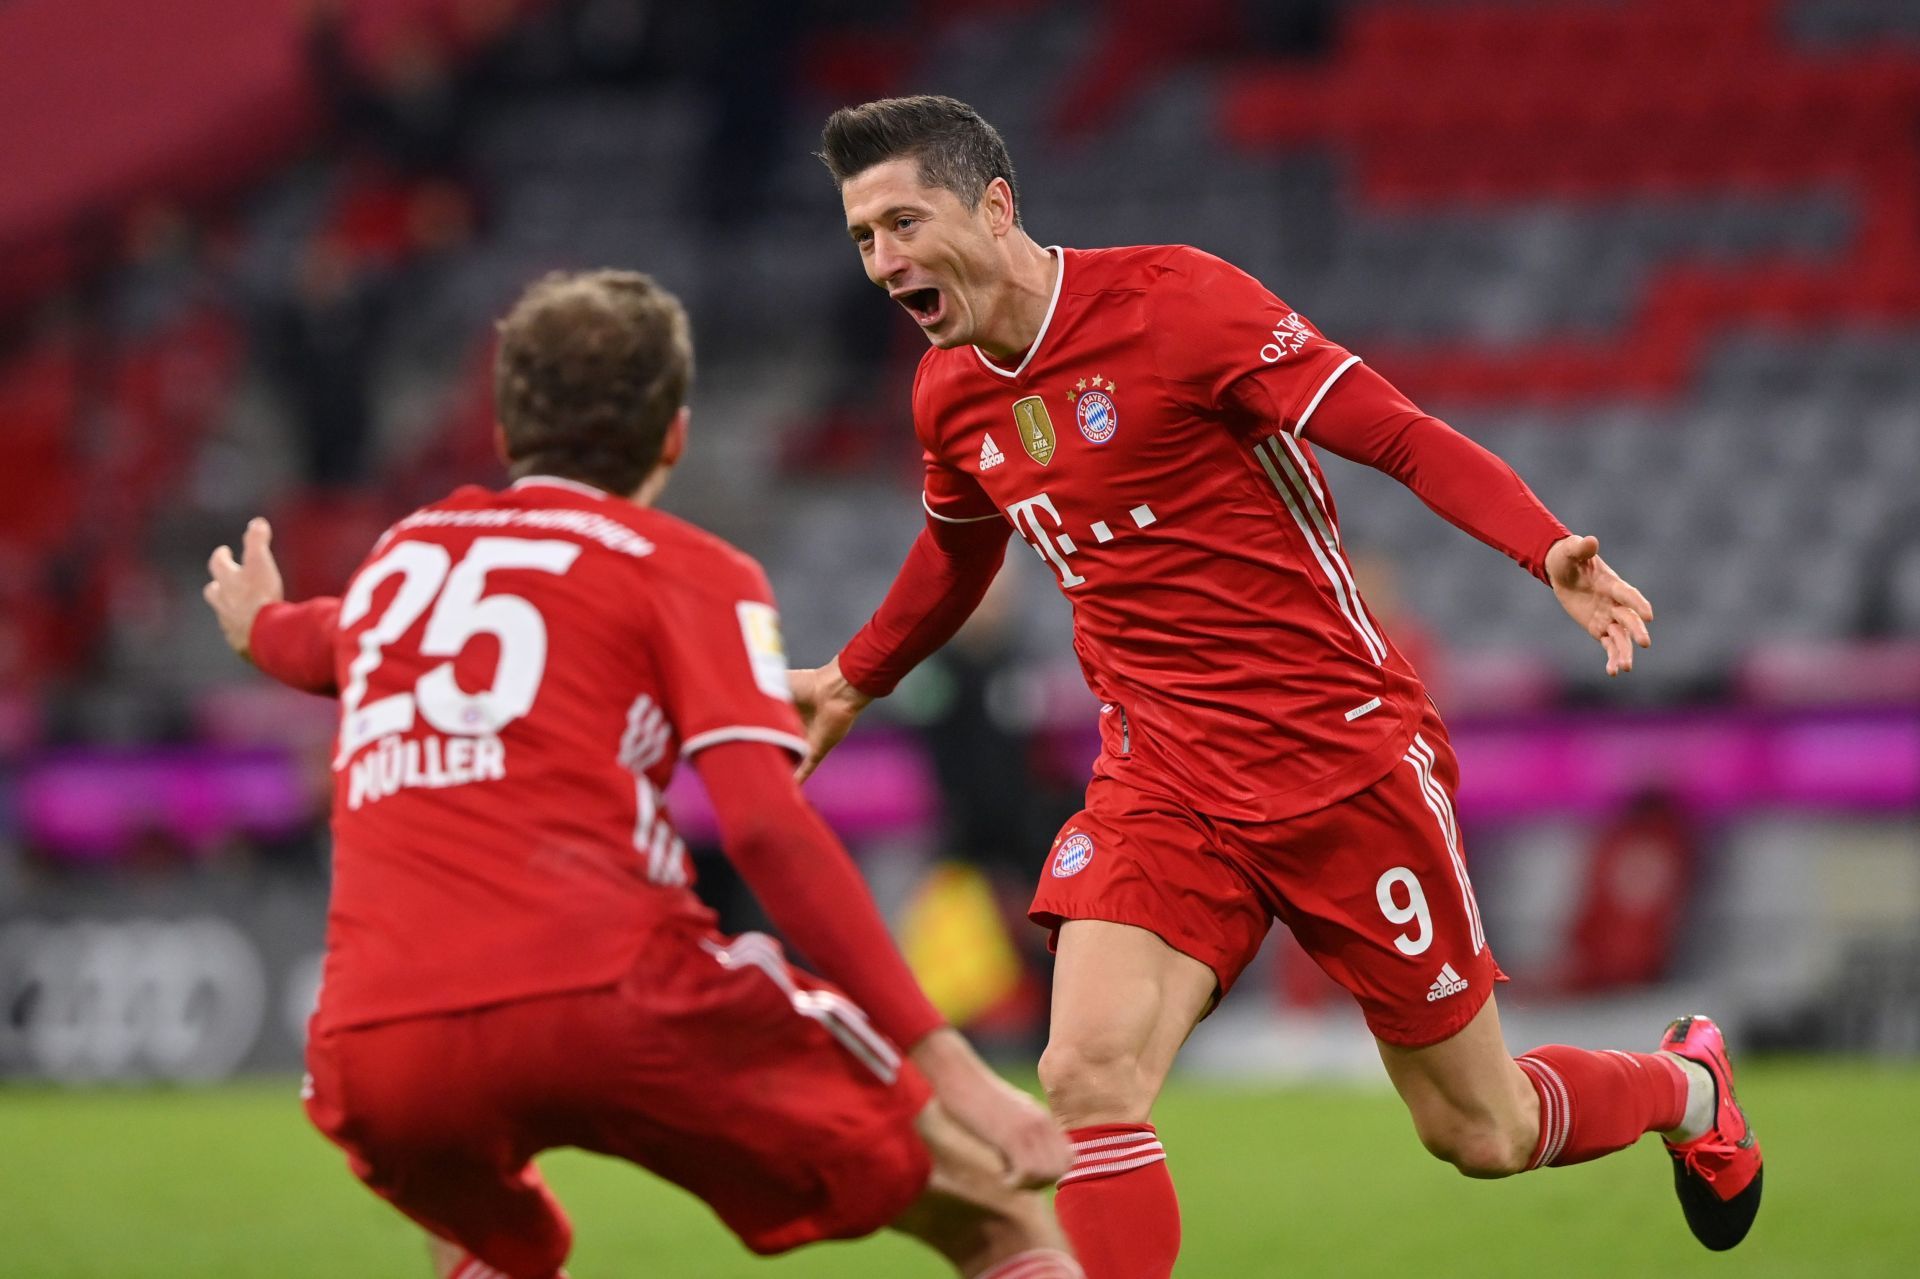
396 763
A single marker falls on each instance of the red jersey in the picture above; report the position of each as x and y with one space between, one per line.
1153 448
518 673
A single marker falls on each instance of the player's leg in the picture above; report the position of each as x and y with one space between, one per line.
414 1105
1491 1115
1472 1104
1152 925
1384 929
969 1216
764 1091
1123 1003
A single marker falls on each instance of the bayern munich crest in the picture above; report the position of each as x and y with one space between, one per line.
1094 410
1076 850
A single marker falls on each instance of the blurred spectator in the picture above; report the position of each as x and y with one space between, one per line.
415 99
747 74
974 716
1378 578
1639 885
321 339
974 711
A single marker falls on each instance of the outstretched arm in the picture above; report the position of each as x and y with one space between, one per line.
291 642
816 897
945 576
1365 419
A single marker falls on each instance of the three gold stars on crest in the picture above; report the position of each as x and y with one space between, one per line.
1079 388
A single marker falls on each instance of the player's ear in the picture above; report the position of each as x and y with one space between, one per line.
500 443
998 201
675 445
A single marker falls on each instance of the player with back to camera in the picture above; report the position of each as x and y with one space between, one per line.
1145 419
515 960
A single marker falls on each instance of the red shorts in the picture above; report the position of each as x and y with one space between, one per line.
1374 887
754 1085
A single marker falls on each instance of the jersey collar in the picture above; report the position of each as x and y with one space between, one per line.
558 482
1059 278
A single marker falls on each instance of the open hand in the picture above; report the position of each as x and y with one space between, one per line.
828 705
1605 605
241 588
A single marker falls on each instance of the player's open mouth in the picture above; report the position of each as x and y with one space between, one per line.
927 306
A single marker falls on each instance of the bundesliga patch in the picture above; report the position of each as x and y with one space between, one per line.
1093 409
760 629
1076 850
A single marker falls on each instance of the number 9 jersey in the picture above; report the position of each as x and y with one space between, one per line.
519 672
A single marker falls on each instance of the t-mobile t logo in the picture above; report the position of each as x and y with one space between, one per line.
1044 536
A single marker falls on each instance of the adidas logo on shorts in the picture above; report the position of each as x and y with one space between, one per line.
1447 983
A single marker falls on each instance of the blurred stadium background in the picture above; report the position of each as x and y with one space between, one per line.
1662 255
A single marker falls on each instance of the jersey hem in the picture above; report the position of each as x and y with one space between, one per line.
1142 774
954 519
743 733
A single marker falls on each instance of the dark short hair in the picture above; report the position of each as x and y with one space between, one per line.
591 369
953 146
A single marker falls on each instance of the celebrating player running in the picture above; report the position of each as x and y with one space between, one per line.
515 960
1146 420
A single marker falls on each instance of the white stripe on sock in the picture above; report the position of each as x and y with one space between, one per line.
1081 1173
1556 1120
1040 1263
1108 1147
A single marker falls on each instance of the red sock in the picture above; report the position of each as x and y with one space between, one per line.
1117 1203
1594 1103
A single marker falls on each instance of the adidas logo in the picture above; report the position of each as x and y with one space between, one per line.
990 454
1447 983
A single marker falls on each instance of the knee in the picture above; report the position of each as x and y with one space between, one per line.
1095 1081
1478 1146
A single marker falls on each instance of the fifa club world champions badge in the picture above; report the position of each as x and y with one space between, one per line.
1076 850
1093 409
1036 428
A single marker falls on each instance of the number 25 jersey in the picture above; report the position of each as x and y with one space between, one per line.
519 672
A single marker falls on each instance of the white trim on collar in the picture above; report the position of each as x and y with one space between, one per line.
1059 278
559 482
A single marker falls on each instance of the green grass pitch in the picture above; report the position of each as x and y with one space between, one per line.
1314 1181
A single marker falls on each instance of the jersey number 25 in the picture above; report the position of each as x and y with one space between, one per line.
461 610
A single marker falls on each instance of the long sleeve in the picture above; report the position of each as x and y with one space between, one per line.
294 644
945 576
809 886
1363 418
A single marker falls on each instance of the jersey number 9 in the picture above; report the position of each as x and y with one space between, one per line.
1414 912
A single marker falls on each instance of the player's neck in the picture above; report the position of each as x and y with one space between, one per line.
1025 295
